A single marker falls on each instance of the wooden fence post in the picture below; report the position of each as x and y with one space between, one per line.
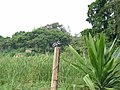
56 60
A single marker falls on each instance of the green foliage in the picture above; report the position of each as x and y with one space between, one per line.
77 42
86 32
102 66
98 16
39 40
104 15
35 72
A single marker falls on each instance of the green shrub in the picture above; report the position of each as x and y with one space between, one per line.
101 68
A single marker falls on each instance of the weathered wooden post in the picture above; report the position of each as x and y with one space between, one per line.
56 60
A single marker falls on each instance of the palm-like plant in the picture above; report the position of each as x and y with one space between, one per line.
102 71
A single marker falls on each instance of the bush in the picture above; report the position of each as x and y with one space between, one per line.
101 69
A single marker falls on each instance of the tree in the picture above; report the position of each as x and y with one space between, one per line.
98 16
104 17
40 39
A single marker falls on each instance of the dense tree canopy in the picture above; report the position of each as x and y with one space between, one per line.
39 40
104 17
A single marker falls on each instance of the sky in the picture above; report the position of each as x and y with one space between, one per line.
26 15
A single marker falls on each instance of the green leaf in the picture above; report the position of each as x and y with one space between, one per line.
93 59
91 44
100 55
110 89
110 75
89 82
112 46
110 51
106 69
92 53
113 83
110 78
116 54
78 67
81 61
77 56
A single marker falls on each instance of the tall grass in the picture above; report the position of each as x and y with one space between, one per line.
16 72
34 73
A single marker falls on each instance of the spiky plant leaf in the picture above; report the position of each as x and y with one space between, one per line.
78 67
110 75
116 54
80 60
89 82
100 55
77 56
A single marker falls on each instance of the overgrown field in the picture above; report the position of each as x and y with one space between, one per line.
100 71
34 73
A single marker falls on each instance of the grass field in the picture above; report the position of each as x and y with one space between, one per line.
34 73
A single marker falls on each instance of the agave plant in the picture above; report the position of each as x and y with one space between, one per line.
101 68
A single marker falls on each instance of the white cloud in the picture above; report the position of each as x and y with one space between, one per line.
24 15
